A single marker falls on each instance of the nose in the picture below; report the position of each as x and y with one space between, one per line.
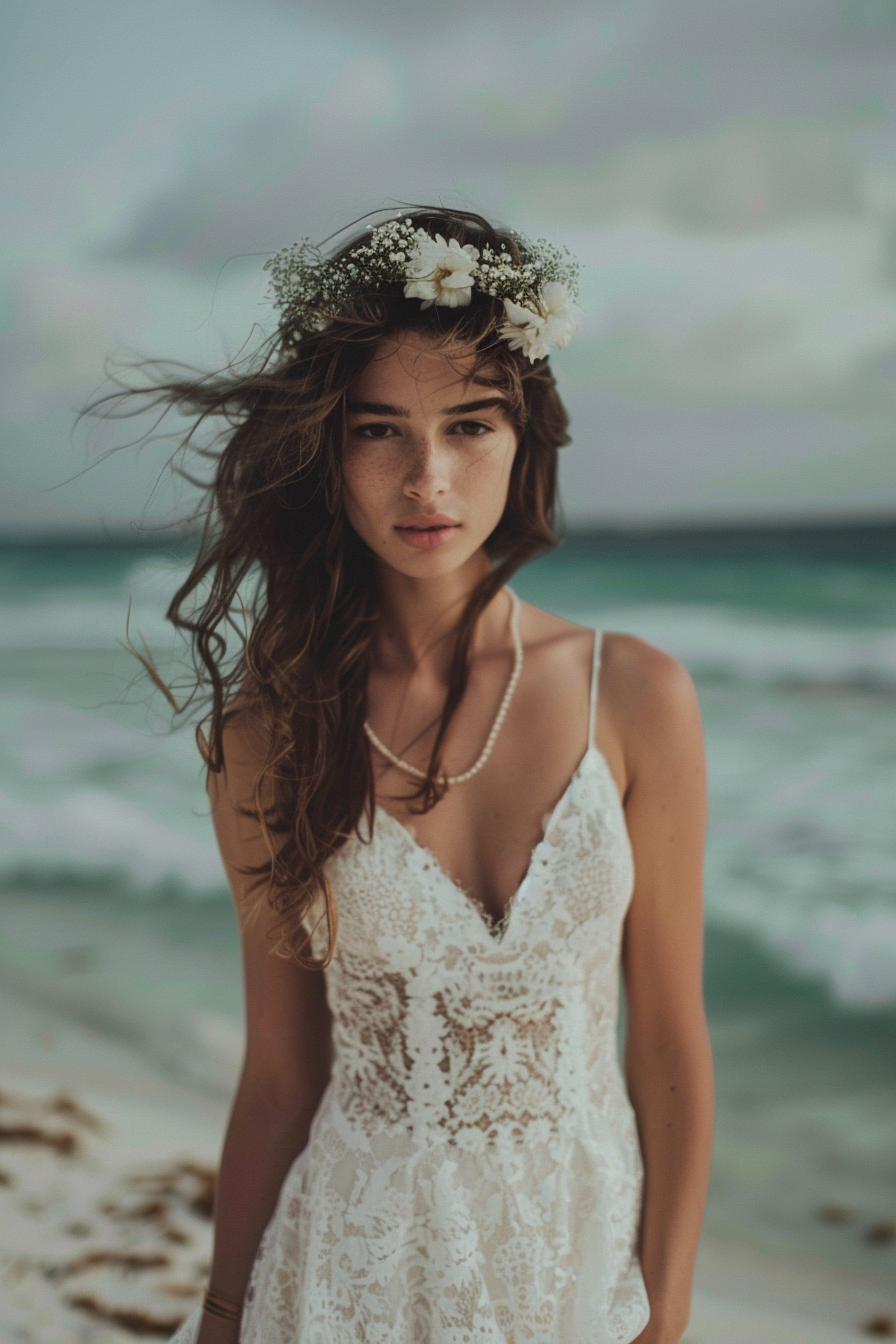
427 475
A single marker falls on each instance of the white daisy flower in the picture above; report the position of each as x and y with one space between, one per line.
439 272
552 323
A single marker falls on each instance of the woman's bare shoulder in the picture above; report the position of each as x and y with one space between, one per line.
648 703
245 740
545 630
648 693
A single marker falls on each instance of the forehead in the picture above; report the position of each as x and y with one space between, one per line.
410 365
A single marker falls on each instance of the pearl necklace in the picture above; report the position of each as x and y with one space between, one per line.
499 717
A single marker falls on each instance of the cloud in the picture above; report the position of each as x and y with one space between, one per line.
742 175
651 107
779 316
400 20
635 460
64 321
224 176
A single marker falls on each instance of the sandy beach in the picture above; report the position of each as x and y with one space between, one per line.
106 1183
106 1186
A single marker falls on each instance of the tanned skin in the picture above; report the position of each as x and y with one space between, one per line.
409 451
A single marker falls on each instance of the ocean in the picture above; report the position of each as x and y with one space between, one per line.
114 912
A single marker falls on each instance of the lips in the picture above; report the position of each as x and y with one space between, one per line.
424 531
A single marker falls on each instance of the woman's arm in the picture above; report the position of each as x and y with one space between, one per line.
667 1057
287 1059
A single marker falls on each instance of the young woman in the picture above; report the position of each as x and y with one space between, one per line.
448 819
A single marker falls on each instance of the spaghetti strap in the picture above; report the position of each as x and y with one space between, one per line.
595 677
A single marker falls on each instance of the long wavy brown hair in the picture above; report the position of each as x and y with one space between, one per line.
280 604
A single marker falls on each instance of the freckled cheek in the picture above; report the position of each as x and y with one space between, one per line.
489 472
367 485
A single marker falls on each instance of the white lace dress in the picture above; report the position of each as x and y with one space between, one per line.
473 1173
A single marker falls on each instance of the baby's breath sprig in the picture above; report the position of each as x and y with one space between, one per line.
522 282
310 288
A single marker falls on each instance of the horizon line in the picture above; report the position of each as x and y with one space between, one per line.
597 532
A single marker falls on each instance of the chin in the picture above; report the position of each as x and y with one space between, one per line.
427 566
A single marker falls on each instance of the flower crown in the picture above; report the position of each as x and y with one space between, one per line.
538 292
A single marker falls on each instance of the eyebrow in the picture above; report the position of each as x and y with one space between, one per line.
401 412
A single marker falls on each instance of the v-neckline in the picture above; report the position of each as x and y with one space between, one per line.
494 929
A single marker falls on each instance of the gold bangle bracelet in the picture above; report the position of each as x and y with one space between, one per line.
220 1307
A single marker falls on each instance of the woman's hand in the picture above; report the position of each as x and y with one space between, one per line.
212 1330
662 1330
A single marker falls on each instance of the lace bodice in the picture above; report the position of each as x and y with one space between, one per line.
450 1028
473 1171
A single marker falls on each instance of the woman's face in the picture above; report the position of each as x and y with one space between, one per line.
427 457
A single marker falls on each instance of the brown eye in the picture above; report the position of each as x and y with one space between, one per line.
472 428
374 431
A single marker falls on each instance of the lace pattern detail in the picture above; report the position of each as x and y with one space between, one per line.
473 1174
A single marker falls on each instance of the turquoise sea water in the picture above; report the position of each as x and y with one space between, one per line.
113 907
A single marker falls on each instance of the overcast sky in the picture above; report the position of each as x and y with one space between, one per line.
725 171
